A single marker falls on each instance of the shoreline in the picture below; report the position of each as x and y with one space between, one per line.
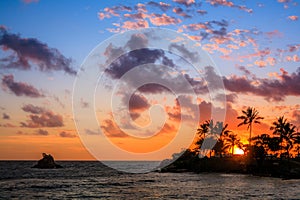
276 168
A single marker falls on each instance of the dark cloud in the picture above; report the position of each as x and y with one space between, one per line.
111 129
192 56
230 98
202 12
41 117
132 59
205 111
272 90
244 70
91 132
153 88
137 104
163 6
33 109
213 80
112 52
179 11
42 132
137 41
67 135
20 88
5 116
199 86
293 48
30 52
211 29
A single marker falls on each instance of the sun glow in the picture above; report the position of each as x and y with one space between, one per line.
238 151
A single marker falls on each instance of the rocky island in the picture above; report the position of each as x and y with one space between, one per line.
47 162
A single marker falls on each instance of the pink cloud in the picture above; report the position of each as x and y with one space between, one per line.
163 20
135 24
274 33
293 17
185 2
195 27
41 117
229 4
260 63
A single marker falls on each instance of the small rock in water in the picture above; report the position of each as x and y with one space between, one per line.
47 162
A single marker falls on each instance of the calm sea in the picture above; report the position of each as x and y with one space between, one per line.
92 180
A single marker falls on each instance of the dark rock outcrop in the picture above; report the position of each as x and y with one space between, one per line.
47 162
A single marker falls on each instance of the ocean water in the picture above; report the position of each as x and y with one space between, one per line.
92 180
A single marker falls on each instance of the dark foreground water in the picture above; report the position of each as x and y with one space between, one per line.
92 180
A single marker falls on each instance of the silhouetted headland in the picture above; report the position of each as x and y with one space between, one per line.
269 167
47 162
264 155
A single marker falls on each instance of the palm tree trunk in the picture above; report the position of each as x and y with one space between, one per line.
250 134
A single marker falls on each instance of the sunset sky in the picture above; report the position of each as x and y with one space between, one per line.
254 45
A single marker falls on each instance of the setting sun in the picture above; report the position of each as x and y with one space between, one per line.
238 151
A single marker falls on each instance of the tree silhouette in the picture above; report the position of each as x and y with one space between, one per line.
290 136
250 116
231 141
262 140
213 132
202 132
278 128
223 132
287 133
274 144
297 143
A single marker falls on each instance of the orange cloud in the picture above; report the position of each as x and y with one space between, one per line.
135 25
293 17
229 4
162 20
185 2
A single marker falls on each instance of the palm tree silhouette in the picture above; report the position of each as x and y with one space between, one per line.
249 117
297 143
231 141
262 140
223 132
287 133
289 137
278 127
202 131
214 133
